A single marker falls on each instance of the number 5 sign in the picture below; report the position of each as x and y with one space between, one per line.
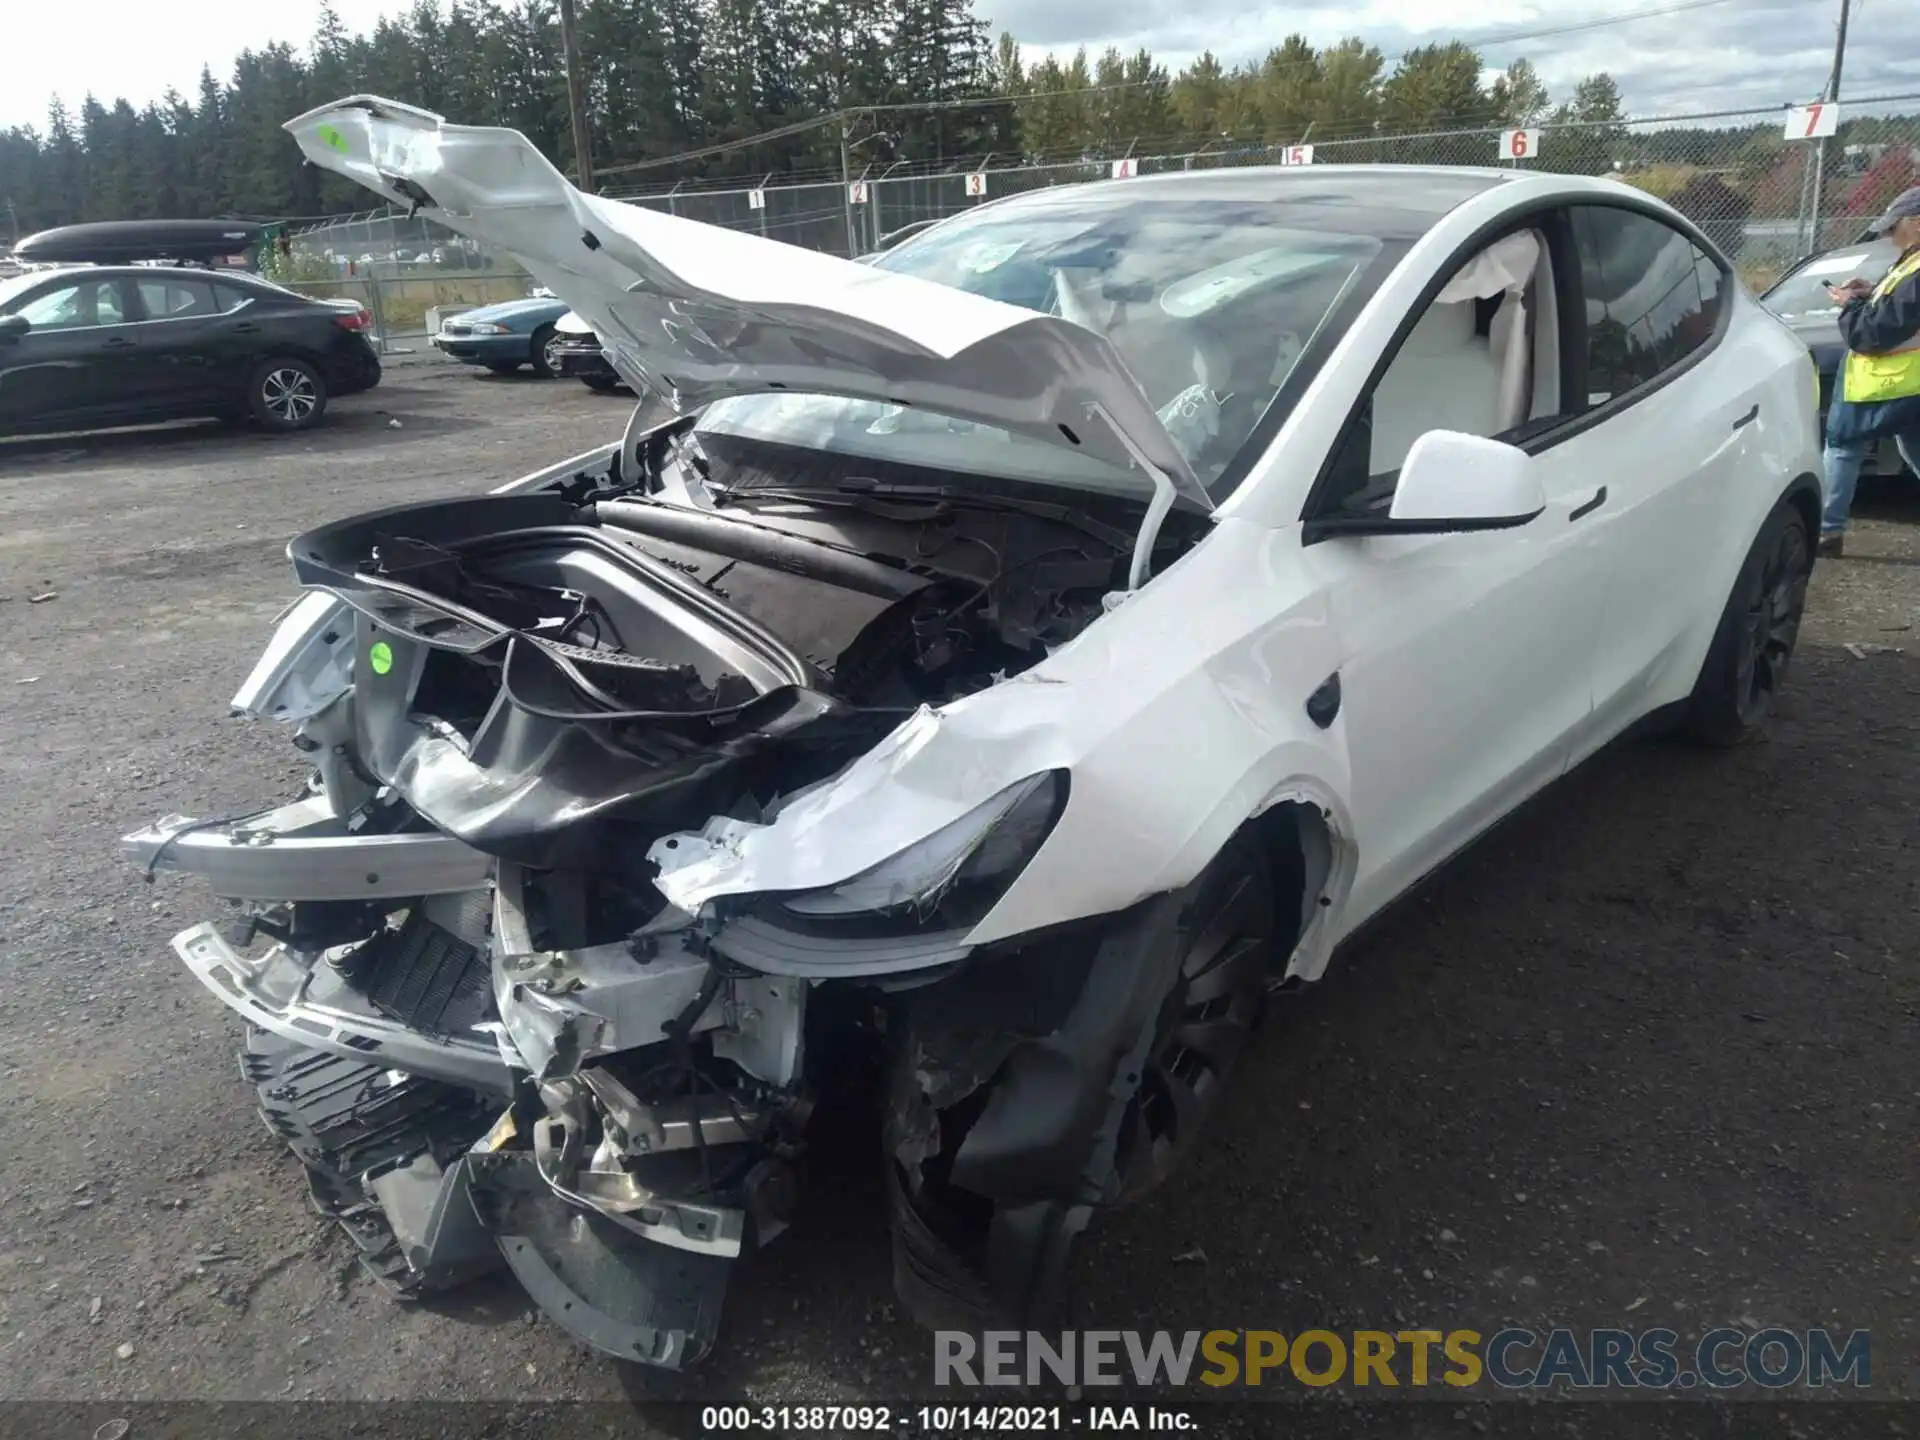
1297 155
1519 144
1812 122
976 184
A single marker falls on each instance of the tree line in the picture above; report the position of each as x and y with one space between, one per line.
919 80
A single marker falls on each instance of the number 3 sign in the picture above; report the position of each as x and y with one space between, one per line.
1519 144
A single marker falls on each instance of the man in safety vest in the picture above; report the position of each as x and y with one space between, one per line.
1880 377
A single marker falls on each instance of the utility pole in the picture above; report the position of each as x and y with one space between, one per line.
1820 146
846 188
576 97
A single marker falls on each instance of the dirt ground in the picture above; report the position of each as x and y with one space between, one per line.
1647 1055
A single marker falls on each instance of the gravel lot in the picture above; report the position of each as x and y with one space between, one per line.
1647 1055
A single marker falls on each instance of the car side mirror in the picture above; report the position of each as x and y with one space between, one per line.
1466 482
1449 483
12 327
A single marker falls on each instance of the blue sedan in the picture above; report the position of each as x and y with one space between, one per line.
505 336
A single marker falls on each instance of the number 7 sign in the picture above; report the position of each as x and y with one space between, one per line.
1519 144
1812 122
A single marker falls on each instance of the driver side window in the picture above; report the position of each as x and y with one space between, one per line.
1477 361
75 307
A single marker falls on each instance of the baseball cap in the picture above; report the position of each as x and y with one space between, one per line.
1906 203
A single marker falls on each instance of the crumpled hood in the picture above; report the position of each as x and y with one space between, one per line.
696 313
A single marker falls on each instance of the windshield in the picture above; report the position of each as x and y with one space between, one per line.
1211 303
1803 294
13 288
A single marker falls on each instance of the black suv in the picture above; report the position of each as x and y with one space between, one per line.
100 345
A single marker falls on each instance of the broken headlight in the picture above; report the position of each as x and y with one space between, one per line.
952 876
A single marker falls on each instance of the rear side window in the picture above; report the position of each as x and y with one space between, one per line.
175 299
1652 298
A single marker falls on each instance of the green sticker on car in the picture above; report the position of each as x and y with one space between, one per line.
382 657
333 139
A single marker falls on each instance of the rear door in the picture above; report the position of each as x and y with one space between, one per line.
187 354
1669 428
75 361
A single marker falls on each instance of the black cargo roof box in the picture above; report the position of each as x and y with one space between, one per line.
128 242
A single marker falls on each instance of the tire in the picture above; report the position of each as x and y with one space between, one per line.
503 367
1753 645
285 394
599 384
546 364
1227 940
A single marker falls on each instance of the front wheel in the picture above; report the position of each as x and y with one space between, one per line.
1748 660
1226 943
599 384
286 394
545 352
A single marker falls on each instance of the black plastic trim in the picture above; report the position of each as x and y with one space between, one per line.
1599 499
1339 527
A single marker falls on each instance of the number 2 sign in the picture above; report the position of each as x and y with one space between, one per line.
1519 144
1812 122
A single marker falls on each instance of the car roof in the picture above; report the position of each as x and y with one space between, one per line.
1399 202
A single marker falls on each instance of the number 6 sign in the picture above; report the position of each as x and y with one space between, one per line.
1519 144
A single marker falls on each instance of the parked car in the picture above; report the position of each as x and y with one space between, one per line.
971 707
103 345
507 335
578 354
1800 298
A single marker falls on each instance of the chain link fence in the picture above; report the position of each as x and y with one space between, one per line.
1763 198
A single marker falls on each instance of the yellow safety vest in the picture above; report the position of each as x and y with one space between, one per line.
1870 379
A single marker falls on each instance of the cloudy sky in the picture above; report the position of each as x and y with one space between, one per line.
1725 55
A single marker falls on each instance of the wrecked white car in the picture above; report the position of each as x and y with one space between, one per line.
971 684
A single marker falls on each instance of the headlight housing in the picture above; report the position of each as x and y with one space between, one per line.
487 327
948 880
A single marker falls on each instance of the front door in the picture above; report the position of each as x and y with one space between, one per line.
1466 657
72 362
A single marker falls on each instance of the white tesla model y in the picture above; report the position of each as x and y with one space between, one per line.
975 678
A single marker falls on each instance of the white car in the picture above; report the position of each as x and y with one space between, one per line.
975 679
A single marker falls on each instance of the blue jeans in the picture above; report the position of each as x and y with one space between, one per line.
1844 461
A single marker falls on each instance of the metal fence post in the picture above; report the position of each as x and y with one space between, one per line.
379 312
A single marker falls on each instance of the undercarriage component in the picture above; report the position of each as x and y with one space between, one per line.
606 1286
313 1004
375 1144
426 976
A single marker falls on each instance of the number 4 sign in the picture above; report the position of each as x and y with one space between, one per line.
1126 169
976 184
1812 122
1519 144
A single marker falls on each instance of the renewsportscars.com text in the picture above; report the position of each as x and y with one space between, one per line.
1514 1358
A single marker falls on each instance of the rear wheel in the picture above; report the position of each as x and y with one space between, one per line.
286 394
1754 644
545 352
600 384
